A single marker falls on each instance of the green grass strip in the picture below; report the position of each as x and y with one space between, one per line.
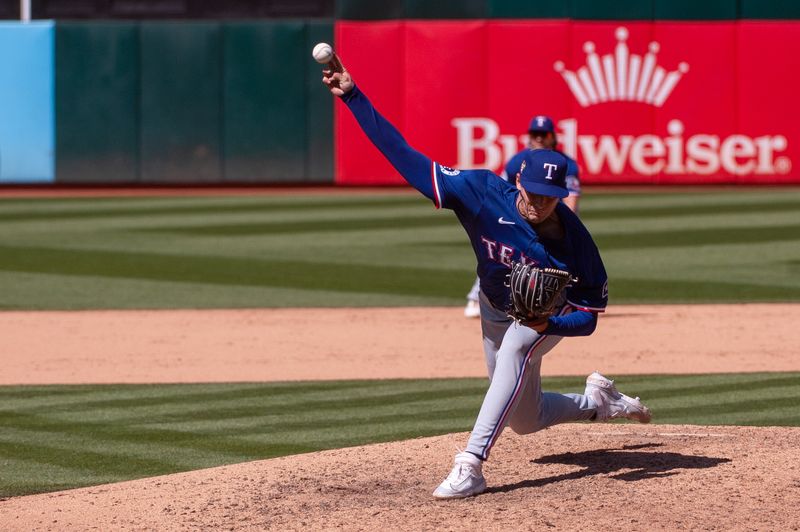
738 245
57 437
228 271
698 237
626 290
106 208
311 226
745 207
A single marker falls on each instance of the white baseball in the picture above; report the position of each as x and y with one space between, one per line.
323 52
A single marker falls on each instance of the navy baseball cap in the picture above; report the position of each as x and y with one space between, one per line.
544 172
541 124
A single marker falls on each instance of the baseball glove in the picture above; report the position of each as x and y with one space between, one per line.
535 291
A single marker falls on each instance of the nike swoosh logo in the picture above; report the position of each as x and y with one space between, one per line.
504 222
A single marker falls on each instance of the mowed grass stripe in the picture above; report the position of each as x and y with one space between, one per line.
697 237
656 196
753 404
591 212
105 463
703 386
100 209
103 442
132 396
274 424
181 456
406 254
106 437
25 477
213 411
126 400
645 290
358 223
358 278
595 206
683 237
303 414
309 226
788 419
209 435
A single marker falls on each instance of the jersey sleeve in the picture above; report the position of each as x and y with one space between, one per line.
578 323
589 298
460 189
590 293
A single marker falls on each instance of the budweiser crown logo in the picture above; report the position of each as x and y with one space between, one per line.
621 76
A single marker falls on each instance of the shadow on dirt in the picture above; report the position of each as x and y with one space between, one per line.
636 465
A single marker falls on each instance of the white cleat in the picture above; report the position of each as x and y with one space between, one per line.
611 404
465 480
472 310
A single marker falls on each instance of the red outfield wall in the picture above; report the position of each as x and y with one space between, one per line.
634 102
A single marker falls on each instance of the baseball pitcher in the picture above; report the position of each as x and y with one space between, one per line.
541 279
541 135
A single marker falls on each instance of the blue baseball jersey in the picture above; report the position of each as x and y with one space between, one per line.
485 204
573 178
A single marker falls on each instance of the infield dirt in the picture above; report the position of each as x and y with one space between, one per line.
355 343
569 477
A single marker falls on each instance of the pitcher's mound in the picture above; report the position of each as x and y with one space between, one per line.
579 476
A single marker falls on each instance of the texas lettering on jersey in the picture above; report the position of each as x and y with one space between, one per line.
503 253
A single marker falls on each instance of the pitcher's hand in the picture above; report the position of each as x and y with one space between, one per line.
340 83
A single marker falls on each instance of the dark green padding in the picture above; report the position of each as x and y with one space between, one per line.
769 9
181 102
319 110
587 9
612 9
265 101
369 9
694 10
446 9
167 102
575 9
527 9
97 111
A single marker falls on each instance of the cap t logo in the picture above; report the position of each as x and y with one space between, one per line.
550 167
540 121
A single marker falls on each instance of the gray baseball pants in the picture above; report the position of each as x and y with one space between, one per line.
515 398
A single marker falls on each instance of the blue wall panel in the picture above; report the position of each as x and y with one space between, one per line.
27 130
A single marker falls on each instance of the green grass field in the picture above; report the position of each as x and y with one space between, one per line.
56 437
305 250
314 250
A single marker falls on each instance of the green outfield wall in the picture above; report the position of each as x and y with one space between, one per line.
569 9
191 103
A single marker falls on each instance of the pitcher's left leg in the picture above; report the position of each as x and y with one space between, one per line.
520 346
